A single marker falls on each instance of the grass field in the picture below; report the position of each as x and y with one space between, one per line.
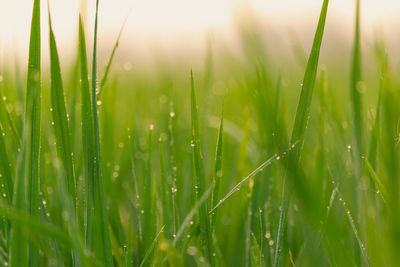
231 163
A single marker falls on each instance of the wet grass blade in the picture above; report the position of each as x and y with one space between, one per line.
199 176
60 118
5 169
377 182
103 247
87 136
260 168
191 214
217 168
301 120
152 245
28 168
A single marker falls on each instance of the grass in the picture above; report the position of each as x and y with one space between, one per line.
147 167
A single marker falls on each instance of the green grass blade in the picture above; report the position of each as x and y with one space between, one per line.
355 90
260 168
373 147
217 168
374 177
152 245
191 214
301 120
110 60
147 200
5 169
104 248
199 181
29 162
87 135
165 193
60 118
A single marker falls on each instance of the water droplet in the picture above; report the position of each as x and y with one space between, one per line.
192 143
142 211
52 123
4 98
271 242
98 102
172 114
151 128
268 235
278 158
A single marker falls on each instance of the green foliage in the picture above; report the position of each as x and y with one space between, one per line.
84 182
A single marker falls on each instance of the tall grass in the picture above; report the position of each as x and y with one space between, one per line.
144 167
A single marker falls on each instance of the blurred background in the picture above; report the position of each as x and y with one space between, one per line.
181 28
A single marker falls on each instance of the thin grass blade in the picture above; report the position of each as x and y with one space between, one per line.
301 120
60 118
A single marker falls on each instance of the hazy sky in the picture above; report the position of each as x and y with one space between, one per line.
174 20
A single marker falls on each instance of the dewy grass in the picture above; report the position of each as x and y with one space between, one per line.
300 123
84 182
60 115
22 251
199 177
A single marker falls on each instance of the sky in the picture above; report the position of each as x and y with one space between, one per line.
172 22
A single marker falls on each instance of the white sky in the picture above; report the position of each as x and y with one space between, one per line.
169 21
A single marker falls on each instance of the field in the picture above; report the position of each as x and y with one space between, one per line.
235 162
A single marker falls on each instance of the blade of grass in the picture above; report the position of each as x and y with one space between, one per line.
5 169
60 117
152 245
260 168
374 177
165 192
87 136
200 183
104 248
373 147
355 92
217 168
29 159
191 214
110 60
301 120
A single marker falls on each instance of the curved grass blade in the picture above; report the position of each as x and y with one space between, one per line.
301 120
60 115
199 181
260 168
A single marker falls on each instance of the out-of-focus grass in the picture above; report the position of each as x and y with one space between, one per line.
98 190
